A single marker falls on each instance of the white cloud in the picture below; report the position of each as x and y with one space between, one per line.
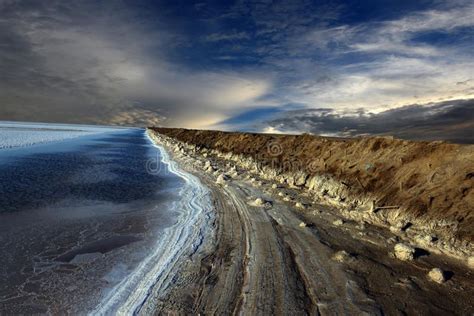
378 65
445 20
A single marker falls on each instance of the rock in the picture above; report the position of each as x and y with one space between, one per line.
300 205
425 240
287 199
317 212
312 183
302 224
281 194
437 275
342 256
470 262
300 178
404 252
274 186
222 178
259 202
395 229
338 222
209 167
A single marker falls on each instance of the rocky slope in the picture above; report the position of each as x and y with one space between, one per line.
420 190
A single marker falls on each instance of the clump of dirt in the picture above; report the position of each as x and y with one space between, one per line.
432 180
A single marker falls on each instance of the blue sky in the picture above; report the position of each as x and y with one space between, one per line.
230 64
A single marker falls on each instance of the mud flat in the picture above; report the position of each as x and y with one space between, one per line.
281 248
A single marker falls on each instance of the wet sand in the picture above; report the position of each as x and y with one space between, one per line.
262 260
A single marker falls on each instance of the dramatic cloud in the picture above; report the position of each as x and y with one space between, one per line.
229 66
449 120
416 58
58 69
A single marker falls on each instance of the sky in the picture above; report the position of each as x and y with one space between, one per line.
328 67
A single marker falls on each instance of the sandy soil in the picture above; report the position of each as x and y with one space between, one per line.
277 258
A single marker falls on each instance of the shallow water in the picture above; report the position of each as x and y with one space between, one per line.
77 216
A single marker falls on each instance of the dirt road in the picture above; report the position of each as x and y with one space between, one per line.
276 258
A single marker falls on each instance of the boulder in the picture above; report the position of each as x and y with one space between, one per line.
437 275
259 202
425 240
299 205
395 229
338 222
470 262
342 256
404 252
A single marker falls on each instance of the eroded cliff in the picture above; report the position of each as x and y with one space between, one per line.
380 179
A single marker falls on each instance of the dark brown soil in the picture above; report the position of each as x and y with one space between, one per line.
431 180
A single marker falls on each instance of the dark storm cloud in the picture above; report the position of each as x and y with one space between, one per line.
37 83
449 120
107 62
